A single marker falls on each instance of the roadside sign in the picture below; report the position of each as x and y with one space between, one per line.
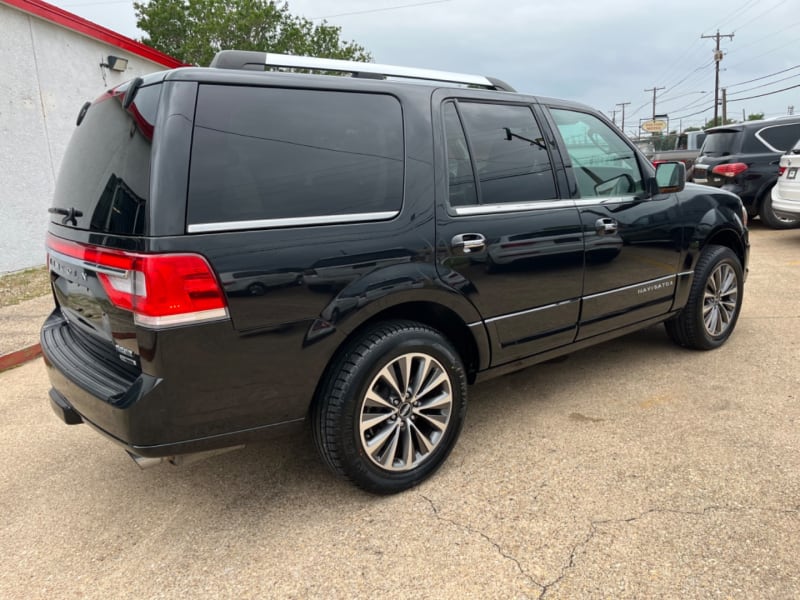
654 125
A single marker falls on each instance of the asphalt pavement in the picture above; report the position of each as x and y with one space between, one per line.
634 469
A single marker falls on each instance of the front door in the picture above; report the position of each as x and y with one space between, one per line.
632 239
505 237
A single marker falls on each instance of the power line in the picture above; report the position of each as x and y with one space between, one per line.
791 87
763 85
763 77
376 10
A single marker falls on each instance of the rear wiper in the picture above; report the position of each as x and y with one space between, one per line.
70 214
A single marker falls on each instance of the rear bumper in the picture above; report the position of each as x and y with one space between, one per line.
135 410
785 207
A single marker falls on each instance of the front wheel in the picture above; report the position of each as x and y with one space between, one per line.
714 303
391 408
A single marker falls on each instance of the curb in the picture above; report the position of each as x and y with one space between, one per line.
19 357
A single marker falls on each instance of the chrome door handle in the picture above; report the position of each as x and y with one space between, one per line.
606 226
468 242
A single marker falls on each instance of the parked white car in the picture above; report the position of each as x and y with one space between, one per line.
786 192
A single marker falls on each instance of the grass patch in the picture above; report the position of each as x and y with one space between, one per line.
24 285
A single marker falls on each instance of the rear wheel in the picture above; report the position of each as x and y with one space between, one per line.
714 303
770 219
391 408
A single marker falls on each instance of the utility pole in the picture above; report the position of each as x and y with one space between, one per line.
724 105
623 105
654 90
613 112
717 59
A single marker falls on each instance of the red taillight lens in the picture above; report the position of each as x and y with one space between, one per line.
160 289
729 169
781 170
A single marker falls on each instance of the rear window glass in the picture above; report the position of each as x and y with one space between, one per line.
104 181
721 143
270 153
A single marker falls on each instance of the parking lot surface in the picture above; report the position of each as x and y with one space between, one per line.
633 469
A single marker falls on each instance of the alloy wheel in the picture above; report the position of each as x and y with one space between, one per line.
405 412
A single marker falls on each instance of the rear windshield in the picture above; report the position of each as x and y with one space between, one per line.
105 175
721 143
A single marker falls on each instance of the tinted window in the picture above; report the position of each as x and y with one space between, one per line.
267 153
105 173
603 164
721 143
781 137
509 153
459 167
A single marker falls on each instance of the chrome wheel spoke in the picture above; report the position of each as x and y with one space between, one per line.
436 381
370 420
423 440
388 375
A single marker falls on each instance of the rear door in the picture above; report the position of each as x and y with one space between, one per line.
505 237
632 240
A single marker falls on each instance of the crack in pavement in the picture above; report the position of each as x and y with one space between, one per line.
595 523
497 546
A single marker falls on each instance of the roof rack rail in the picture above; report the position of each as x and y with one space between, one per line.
252 60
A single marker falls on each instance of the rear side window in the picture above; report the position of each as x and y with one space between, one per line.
780 137
509 155
105 174
262 156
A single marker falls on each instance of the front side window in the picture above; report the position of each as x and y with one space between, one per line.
603 164
503 146
271 154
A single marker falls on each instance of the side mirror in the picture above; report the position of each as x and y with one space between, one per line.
670 177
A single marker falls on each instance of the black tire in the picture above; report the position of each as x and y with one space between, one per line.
770 219
714 303
369 440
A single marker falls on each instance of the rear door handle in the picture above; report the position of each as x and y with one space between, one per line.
606 226
468 242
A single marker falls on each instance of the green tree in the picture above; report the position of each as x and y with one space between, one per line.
195 30
755 117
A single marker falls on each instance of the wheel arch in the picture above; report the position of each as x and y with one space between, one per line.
471 343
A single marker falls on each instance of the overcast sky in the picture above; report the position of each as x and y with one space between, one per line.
600 52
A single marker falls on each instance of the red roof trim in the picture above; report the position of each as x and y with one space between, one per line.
93 30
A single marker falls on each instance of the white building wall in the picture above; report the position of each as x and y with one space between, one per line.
47 72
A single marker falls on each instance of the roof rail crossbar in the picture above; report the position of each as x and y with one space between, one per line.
252 60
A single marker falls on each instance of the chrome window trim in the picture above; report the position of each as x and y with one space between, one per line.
290 222
766 143
77 262
532 310
489 209
631 287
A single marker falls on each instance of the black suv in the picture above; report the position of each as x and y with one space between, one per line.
744 159
236 253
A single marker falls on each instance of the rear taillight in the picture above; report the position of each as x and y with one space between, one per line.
162 290
781 171
729 169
